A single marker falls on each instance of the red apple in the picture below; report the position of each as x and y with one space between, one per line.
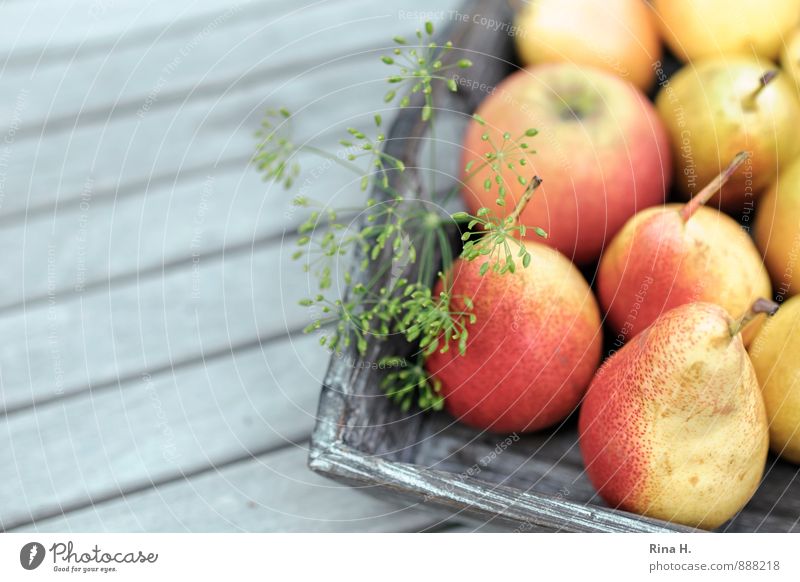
601 150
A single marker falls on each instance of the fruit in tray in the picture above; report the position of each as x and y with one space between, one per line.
777 230
673 425
556 31
695 29
790 56
775 358
715 108
533 350
676 254
600 145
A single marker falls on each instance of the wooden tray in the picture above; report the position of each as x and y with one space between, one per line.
531 483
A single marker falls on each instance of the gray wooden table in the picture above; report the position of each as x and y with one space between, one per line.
152 372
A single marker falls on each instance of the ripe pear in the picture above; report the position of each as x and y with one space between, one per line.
533 349
790 57
701 28
777 230
676 254
715 108
774 355
673 425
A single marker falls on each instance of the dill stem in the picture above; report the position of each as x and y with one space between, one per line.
513 218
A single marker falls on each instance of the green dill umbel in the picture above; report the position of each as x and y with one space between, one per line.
498 241
399 249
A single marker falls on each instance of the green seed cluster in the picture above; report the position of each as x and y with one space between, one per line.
402 246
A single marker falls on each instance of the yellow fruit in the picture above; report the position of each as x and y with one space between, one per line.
558 31
702 28
777 231
775 358
790 57
715 108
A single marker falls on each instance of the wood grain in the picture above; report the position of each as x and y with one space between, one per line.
190 134
64 31
116 333
156 428
101 236
271 493
239 44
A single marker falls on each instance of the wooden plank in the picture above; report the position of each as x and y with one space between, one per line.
100 236
185 129
54 29
50 369
121 330
155 428
99 233
244 43
273 493
185 137
466 527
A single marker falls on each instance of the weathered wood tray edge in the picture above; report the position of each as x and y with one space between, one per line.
460 498
464 498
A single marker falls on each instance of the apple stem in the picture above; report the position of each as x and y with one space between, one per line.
713 187
513 218
750 100
760 306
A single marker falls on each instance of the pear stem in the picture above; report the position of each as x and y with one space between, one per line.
749 101
513 218
760 306
713 187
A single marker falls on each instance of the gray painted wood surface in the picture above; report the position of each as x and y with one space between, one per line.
152 377
273 492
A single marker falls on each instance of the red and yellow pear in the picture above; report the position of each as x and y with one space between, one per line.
533 348
676 254
673 425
